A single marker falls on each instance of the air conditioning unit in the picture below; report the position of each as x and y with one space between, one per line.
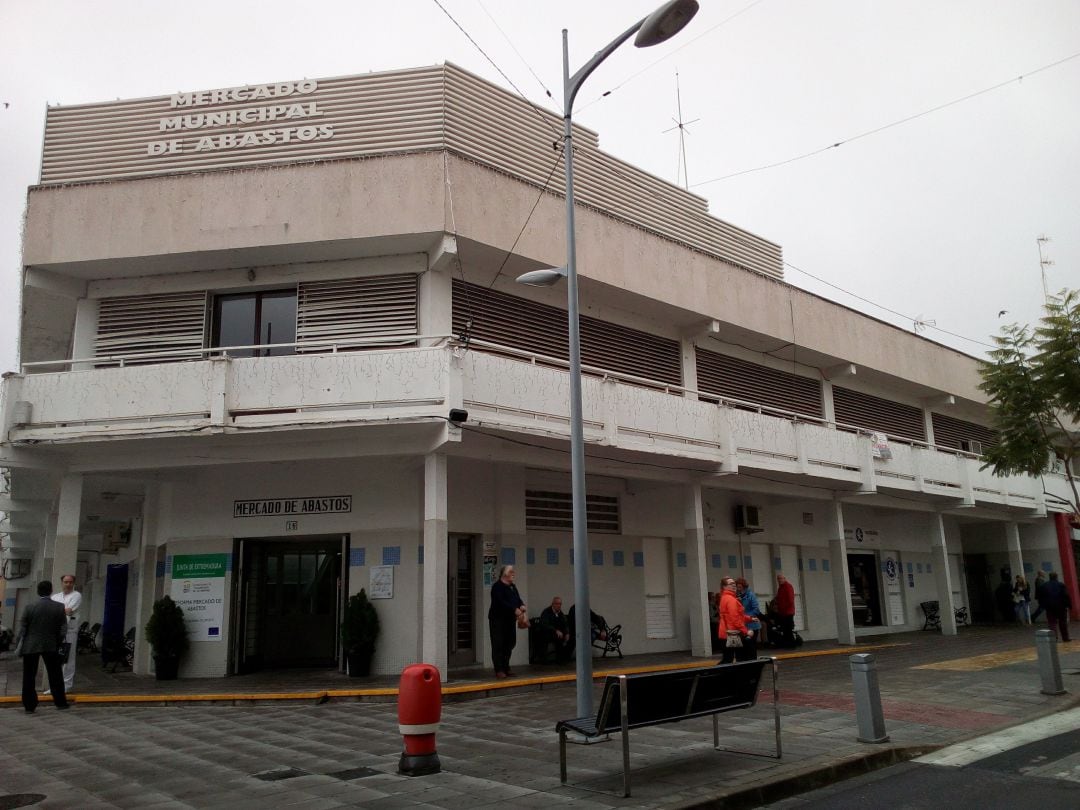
748 519
971 446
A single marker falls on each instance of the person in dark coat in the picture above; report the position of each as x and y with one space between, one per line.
557 628
1055 599
42 630
505 615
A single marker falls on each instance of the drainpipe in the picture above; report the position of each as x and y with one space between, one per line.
1068 559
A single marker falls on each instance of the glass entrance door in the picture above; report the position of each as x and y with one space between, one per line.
291 603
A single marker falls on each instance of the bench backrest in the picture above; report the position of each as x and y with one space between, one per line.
659 697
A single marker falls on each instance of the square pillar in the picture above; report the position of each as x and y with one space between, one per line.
939 554
694 533
509 506
68 515
150 538
433 627
834 522
1012 546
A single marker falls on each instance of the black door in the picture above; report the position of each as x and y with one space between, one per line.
290 600
865 594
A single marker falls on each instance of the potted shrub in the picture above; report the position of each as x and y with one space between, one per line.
168 636
359 629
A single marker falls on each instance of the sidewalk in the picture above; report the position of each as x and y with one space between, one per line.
328 744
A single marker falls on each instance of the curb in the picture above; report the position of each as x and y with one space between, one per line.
389 694
766 791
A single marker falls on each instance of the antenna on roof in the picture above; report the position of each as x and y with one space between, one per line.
1044 262
922 323
681 125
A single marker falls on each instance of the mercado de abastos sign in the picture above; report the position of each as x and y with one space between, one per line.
259 115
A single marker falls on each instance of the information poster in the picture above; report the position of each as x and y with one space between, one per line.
381 582
198 587
489 563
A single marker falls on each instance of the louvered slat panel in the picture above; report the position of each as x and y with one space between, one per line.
950 432
351 309
740 379
529 326
134 324
874 413
554 511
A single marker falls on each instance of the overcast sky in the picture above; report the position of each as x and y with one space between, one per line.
935 218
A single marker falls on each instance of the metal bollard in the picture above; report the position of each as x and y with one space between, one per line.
1049 665
867 699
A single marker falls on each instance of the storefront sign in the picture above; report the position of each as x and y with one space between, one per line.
264 115
861 537
322 505
198 587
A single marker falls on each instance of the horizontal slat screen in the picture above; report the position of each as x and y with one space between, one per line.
554 511
355 308
151 323
740 379
874 413
423 109
533 327
950 432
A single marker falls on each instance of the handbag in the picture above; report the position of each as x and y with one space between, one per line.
523 622
65 650
734 639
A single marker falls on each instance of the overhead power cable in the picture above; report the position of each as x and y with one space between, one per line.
896 123
544 116
514 48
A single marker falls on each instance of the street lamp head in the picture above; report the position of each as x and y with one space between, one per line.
665 22
547 277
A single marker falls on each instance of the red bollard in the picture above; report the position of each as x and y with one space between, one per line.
419 709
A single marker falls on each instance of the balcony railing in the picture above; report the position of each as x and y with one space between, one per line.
505 389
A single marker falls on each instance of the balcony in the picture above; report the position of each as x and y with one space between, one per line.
504 390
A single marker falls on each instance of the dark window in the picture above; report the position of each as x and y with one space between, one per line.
255 319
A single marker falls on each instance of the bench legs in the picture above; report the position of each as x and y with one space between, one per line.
562 756
776 721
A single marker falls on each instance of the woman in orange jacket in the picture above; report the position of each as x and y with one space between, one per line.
732 627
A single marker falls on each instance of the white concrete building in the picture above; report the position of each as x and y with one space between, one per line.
248 313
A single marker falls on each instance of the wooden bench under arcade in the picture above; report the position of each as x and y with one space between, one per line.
653 698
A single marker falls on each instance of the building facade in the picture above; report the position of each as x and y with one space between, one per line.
249 312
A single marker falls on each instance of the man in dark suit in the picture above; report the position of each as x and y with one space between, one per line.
42 630
554 622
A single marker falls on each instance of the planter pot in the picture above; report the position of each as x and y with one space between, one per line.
359 661
166 667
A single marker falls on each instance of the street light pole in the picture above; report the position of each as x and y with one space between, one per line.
659 26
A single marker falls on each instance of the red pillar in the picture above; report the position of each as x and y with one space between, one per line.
1068 560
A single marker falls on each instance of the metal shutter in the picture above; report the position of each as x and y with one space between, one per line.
874 413
950 432
137 324
739 379
522 324
355 309
554 511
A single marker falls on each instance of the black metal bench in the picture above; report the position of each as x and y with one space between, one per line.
654 698
609 640
932 612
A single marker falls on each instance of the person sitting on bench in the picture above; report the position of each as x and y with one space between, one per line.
596 622
557 628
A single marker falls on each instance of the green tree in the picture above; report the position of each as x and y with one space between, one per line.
1033 382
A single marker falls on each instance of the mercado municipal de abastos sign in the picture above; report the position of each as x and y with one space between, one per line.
257 115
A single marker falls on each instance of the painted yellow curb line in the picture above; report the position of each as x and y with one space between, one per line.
464 689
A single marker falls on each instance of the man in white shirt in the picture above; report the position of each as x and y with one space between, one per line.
72 601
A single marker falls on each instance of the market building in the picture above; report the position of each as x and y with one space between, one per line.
273 352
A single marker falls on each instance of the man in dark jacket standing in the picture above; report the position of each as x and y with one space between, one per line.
1055 598
42 630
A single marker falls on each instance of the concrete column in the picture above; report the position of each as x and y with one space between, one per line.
697 571
834 522
1012 546
828 408
146 564
86 323
68 515
688 356
43 554
434 623
434 309
939 555
509 489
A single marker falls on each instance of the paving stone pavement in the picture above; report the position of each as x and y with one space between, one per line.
502 749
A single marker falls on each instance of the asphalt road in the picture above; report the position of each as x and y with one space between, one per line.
1042 774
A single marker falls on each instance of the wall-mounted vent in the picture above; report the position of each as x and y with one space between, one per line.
748 519
355 309
141 324
554 511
